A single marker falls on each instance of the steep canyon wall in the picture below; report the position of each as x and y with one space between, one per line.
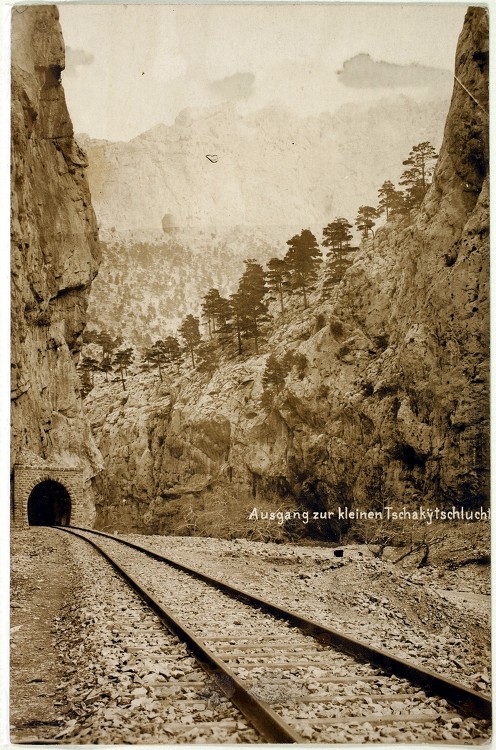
54 253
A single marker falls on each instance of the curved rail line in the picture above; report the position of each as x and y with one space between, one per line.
266 721
270 725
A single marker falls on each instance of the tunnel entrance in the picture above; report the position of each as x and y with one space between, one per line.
49 504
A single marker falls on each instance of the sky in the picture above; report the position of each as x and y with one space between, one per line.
130 67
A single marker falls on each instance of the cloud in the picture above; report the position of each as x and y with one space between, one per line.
361 71
76 57
237 86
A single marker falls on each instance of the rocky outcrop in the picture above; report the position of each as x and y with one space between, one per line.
55 251
391 405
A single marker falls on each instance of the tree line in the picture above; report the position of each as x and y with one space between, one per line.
233 323
415 180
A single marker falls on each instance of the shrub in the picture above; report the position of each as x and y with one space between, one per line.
267 399
319 322
387 389
43 319
343 351
367 388
336 328
296 360
323 391
381 342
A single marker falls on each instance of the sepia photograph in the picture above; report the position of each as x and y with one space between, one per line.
249 396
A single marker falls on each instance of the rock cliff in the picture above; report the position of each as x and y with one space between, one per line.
54 248
392 403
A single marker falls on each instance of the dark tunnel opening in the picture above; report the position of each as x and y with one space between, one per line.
49 504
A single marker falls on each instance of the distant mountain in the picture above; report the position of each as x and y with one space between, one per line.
216 168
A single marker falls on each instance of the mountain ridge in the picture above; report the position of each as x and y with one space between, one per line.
268 168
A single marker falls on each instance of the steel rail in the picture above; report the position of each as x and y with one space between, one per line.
271 726
469 701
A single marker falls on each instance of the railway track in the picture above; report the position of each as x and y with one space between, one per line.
293 680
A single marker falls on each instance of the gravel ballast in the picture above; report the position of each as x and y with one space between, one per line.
436 617
353 593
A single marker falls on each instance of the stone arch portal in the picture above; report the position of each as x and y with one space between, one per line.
49 504
46 495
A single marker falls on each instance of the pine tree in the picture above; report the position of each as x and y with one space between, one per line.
337 237
209 308
104 339
172 351
400 204
121 361
387 193
106 365
303 259
156 355
365 220
278 277
420 163
90 336
89 365
108 343
249 300
238 308
190 332
223 316
335 268
148 358
274 373
337 234
207 357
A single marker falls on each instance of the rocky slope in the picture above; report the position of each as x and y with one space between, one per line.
392 406
55 251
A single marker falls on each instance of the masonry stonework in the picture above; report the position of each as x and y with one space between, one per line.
27 477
